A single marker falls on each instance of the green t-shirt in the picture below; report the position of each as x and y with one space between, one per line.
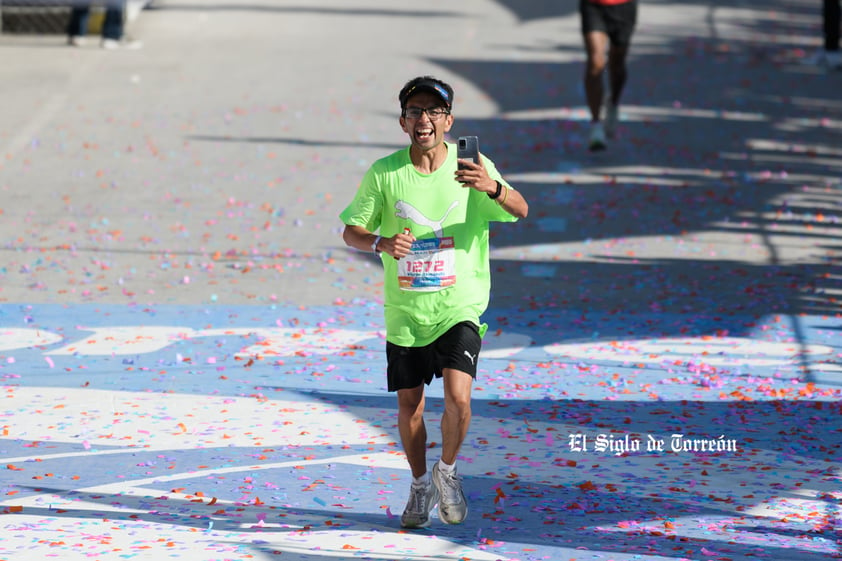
447 278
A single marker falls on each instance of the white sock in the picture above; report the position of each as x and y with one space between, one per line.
423 480
447 468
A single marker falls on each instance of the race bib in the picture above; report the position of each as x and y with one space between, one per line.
430 265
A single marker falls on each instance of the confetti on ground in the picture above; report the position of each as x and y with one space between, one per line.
192 362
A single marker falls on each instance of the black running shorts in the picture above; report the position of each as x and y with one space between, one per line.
617 21
458 348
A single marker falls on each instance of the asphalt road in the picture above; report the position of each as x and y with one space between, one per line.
192 360
210 166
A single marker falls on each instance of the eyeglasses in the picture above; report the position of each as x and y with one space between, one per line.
434 113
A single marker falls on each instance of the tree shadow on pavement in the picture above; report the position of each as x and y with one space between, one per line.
721 194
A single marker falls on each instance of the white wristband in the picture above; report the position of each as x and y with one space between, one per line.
374 245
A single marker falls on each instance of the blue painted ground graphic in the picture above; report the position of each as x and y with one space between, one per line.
260 432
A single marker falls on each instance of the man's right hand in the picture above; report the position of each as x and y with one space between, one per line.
398 246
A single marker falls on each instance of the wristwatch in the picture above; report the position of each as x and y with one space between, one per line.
374 245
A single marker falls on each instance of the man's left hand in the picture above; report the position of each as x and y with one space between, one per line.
476 177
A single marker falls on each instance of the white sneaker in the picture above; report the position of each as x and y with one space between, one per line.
126 44
612 117
422 500
596 140
453 508
76 41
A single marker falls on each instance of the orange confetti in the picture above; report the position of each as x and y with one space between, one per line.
500 495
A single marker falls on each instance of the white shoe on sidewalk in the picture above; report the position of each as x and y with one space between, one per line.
124 43
422 500
596 138
453 507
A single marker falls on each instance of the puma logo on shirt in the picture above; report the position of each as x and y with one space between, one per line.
406 210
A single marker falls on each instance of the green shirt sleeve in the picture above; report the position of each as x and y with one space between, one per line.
366 208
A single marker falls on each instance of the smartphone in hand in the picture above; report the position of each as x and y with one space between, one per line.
467 148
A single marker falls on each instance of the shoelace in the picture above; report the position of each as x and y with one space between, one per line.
451 490
418 494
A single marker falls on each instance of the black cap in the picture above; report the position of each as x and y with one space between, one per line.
427 84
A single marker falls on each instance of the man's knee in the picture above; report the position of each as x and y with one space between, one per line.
617 56
597 61
457 399
411 401
458 403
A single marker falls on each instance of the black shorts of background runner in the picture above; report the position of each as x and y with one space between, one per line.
458 348
617 21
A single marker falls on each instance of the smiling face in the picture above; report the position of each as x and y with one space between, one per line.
426 134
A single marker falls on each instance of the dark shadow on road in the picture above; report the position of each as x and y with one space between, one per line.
721 195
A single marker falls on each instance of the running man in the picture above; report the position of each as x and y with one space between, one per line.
607 28
429 223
